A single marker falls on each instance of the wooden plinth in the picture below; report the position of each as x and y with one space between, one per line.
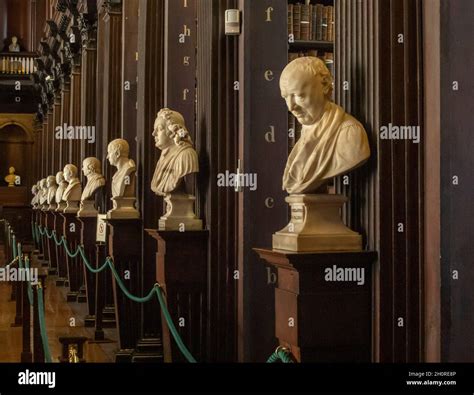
52 248
181 267
72 232
125 242
62 280
317 319
88 240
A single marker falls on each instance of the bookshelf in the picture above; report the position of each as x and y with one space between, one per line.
311 32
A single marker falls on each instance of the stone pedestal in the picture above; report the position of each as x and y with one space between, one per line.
323 308
180 214
124 208
87 209
72 207
316 225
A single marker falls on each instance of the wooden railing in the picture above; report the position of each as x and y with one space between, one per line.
18 63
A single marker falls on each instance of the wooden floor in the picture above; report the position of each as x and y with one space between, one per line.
58 319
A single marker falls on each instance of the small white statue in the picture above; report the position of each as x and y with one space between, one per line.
14 46
92 170
332 143
62 185
178 159
43 195
52 188
34 201
123 181
73 192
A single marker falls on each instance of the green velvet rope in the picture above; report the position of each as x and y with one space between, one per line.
44 334
30 288
281 355
170 324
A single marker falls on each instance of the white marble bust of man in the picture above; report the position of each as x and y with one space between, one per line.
123 181
43 192
62 185
91 168
52 188
332 142
14 46
73 191
34 191
178 157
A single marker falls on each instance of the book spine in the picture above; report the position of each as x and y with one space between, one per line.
314 23
319 18
304 30
290 19
297 21
325 24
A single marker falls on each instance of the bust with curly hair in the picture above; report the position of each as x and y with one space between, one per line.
178 157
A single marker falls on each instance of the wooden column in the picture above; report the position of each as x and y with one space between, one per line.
55 143
75 111
180 59
150 91
378 55
65 119
264 211
89 78
110 80
217 110
129 72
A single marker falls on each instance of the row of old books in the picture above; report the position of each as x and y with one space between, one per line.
327 57
311 22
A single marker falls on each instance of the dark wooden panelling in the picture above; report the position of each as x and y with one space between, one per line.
180 59
150 100
385 86
457 210
217 147
257 221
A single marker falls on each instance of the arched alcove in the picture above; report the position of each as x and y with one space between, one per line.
16 150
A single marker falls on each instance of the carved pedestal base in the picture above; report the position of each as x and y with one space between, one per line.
181 267
179 214
71 207
124 208
316 226
87 209
323 304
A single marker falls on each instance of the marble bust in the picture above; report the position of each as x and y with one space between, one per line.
52 188
178 159
11 178
92 170
123 181
14 46
34 192
62 185
43 199
332 142
73 192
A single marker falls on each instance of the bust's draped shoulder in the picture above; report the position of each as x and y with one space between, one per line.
186 162
352 144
